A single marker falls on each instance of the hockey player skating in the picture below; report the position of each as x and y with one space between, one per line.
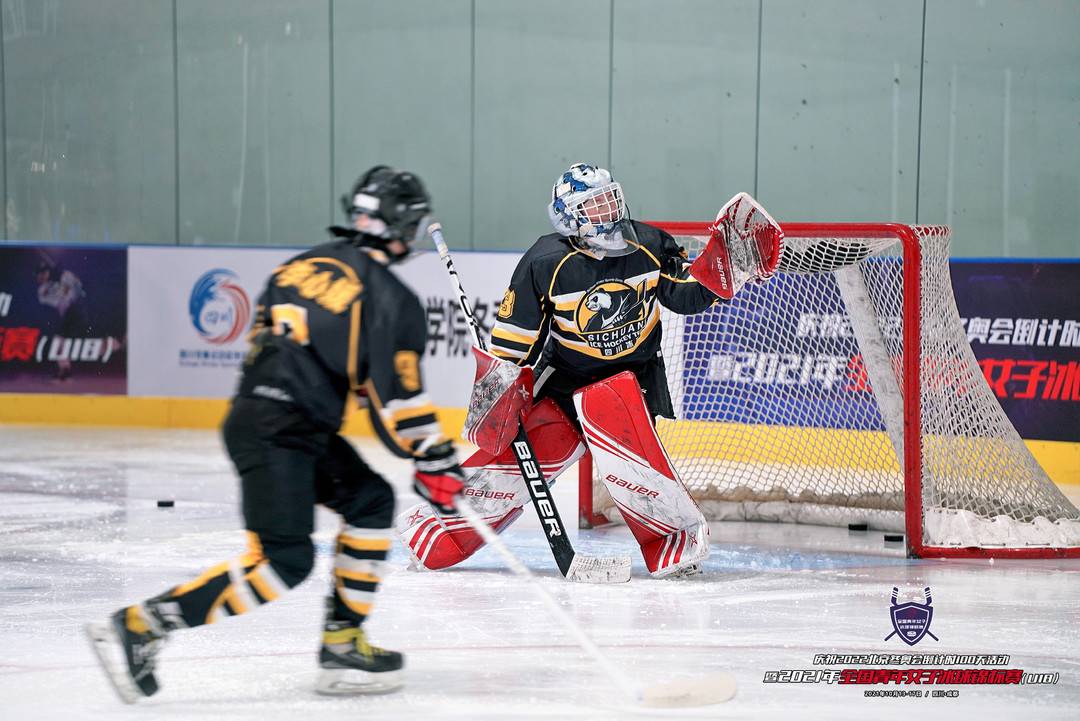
583 306
331 321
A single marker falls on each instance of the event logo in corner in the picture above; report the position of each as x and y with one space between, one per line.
219 307
911 621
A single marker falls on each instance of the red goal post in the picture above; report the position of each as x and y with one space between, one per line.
907 436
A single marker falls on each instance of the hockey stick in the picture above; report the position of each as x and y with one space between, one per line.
573 565
701 691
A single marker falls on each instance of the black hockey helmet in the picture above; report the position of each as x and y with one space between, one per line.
388 204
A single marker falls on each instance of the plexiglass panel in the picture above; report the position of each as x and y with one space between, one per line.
839 109
1001 126
683 142
542 74
254 116
403 97
90 128
232 122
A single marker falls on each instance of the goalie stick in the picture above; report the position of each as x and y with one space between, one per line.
703 690
573 565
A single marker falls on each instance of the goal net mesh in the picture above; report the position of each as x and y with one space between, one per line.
789 404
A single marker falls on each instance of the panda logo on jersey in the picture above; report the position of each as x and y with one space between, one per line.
611 315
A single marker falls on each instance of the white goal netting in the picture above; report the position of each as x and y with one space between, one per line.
792 402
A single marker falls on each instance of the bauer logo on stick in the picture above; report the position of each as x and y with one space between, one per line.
911 621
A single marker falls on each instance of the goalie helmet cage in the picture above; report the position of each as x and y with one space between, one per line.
844 390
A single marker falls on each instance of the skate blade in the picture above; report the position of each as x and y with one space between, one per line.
106 645
679 572
689 692
351 681
590 569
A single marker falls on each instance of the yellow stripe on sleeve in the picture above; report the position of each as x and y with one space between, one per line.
502 334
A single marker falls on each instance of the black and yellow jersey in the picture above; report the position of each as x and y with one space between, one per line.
600 314
335 320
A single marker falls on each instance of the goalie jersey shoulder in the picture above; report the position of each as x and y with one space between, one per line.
544 259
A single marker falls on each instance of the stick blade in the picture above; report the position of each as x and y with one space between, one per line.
595 569
704 690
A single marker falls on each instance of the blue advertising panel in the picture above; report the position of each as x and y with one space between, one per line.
788 361
1023 322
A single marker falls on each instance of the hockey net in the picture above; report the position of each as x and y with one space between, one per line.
844 390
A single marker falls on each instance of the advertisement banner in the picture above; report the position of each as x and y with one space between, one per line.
806 363
1023 322
449 367
190 312
1021 318
191 309
63 320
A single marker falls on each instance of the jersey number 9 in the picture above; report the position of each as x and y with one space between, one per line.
290 320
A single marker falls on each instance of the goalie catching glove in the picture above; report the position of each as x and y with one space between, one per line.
439 478
746 244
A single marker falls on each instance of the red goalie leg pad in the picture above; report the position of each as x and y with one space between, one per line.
553 438
676 550
665 520
435 543
494 488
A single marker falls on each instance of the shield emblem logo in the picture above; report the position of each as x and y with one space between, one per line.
911 621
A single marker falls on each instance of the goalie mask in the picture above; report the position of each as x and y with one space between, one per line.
387 205
588 205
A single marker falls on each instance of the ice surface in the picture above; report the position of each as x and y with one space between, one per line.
80 535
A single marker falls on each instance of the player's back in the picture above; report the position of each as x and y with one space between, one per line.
316 319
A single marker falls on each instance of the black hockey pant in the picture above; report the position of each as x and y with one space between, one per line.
286 466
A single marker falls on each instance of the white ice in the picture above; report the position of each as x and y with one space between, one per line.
81 535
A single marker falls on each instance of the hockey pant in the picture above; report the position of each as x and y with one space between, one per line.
286 466
662 516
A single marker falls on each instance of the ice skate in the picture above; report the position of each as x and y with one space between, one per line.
694 569
351 665
127 645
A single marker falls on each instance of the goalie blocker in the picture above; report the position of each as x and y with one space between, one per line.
664 519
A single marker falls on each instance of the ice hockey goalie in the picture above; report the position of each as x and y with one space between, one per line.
583 309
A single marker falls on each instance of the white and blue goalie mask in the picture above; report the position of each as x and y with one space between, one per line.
587 204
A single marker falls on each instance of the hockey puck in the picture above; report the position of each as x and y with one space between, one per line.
166 504
856 526
894 537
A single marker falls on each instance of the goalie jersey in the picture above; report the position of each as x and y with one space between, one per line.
336 320
592 317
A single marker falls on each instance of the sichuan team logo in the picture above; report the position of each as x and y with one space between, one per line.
611 316
911 621
219 307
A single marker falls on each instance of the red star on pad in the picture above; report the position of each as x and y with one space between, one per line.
416 516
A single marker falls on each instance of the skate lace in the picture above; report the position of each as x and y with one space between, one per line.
366 649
